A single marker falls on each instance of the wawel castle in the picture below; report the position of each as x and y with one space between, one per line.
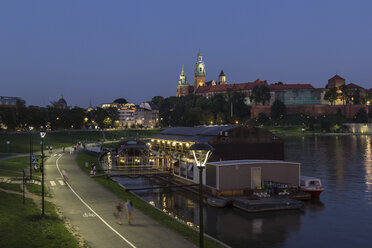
299 98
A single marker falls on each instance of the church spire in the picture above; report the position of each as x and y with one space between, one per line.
199 72
183 78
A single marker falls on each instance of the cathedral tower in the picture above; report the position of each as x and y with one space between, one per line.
199 73
222 78
183 85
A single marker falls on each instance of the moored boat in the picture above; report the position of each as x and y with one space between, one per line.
216 202
311 185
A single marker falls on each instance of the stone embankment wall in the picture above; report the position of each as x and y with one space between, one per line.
314 110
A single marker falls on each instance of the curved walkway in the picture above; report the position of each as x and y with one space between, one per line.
90 207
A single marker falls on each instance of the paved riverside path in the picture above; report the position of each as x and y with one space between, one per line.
89 207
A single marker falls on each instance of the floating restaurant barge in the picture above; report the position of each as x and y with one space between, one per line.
244 157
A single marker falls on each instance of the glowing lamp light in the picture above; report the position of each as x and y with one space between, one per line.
42 134
203 150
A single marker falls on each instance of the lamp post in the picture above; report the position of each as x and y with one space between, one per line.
42 135
31 152
201 152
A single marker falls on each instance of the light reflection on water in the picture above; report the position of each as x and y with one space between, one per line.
341 218
368 169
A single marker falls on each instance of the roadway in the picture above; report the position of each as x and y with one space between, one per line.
89 207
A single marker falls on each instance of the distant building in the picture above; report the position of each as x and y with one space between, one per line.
297 94
61 103
147 114
335 81
290 94
9 101
110 105
127 115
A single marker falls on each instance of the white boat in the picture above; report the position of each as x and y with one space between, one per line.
216 202
311 185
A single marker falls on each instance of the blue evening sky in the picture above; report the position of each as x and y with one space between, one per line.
98 51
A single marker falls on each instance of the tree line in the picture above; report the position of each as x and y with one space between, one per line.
20 118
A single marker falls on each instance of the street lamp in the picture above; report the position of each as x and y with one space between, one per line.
201 152
31 152
42 135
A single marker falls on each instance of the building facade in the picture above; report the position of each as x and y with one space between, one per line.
9 101
127 115
147 115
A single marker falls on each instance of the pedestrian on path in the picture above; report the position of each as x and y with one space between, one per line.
93 169
129 207
64 175
119 212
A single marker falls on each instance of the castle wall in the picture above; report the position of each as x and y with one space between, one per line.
313 110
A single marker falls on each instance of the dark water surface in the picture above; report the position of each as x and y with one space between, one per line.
341 218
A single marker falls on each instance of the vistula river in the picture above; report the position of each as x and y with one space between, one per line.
342 217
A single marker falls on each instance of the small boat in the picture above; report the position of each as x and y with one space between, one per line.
311 185
216 202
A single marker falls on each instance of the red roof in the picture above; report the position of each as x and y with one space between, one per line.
275 87
336 77
353 86
232 87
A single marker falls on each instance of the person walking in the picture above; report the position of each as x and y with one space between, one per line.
64 175
129 207
119 212
93 169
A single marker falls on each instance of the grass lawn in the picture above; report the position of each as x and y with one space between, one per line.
285 129
13 168
21 225
20 142
144 207
11 186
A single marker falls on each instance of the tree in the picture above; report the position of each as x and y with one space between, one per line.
120 101
345 94
262 119
331 95
356 97
260 94
157 100
361 116
241 111
278 110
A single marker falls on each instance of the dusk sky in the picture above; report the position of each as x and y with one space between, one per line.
101 50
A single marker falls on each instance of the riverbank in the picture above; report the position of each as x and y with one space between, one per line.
185 231
297 130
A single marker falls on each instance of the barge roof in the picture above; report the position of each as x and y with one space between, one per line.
249 161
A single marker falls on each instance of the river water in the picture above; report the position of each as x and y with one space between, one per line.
342 217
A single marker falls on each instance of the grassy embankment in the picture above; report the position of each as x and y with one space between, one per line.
282 130
297 130
20 141
13 169
21 225
188 233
